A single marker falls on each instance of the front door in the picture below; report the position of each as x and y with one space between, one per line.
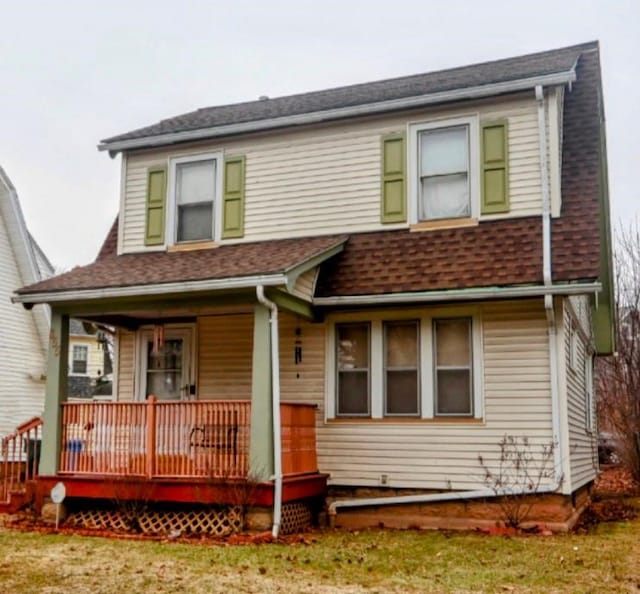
166 370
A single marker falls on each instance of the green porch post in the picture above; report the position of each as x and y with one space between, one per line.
55 392
261 442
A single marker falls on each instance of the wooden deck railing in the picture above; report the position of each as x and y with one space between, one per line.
20 458
164 439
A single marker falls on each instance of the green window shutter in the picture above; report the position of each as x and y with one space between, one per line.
155 206
233 198
495 167
394 167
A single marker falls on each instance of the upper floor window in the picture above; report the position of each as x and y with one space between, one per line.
444 173
79 359
195 192
445 160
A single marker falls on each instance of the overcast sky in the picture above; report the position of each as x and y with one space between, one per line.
74 72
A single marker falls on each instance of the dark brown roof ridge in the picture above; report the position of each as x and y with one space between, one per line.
501 70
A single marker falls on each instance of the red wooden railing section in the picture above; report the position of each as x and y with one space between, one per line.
20 457
203 438
164 439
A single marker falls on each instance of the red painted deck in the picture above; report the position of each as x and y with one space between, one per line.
195 490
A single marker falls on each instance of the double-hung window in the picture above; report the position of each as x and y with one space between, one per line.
79 359
444 158
353 369
453 365
196 196
401 373
423 366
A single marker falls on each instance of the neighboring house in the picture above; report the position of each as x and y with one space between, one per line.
414 268
24 333
87 361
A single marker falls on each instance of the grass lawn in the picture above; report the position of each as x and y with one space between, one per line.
606 560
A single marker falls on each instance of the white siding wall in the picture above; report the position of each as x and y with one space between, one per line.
21 353
95 359
583 453
326 179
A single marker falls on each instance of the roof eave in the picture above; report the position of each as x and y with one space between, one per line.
73 295
469 294
477 92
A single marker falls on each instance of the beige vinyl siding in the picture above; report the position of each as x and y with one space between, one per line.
326 179
225 347
583 453
443 455
21 353
125 361
305 284
420 454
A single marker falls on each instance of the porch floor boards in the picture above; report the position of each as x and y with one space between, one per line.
192 490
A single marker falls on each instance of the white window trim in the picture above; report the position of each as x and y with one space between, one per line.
413 130
426 371
171 231
188 334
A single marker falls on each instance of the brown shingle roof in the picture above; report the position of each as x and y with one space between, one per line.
228 261
493 253
496 253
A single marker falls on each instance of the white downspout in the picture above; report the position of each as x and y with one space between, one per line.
275 401
553 361
546 274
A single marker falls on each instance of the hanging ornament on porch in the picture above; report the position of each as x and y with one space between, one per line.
297 349
158 339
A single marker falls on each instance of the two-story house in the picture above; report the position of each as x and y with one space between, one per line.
352 292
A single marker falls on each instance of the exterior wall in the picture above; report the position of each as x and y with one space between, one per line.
21 353
124 366
326 179
225 347
426 453
434 454
305 284
583 446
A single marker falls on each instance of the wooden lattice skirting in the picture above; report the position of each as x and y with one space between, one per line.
296 517
213 521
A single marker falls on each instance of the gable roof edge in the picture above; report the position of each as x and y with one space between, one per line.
313 117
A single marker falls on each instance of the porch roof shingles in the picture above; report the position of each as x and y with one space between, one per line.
232 261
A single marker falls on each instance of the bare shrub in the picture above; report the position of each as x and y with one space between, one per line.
518 475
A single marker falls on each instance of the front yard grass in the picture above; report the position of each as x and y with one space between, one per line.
605 560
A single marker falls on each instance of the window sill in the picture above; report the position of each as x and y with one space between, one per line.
443 224
403 420
192 245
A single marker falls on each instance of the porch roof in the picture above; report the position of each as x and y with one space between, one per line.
276 262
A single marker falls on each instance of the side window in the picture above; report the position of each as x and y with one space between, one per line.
353 370
589 404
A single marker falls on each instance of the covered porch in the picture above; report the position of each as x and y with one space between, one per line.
171 433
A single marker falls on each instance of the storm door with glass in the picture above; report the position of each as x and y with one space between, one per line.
166 366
